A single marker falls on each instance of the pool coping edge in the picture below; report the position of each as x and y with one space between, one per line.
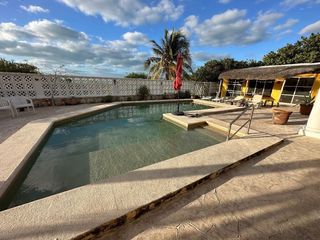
11 146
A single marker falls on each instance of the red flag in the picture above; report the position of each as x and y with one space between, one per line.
178 81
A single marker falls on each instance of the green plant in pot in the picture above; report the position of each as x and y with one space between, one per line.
306 105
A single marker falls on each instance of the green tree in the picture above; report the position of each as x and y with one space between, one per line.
137 75
213 68
11 66
165 56
305 50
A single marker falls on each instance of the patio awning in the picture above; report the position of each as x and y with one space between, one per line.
270 72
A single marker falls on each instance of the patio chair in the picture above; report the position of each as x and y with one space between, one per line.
206 98
235 100
6 105
222 99
256 101
21 102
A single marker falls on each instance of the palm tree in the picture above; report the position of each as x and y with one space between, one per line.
165 56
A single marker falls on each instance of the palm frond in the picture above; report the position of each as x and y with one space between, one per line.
165 55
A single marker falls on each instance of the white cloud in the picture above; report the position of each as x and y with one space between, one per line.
260 28
224 1
34 9
129 39
46 42
312 28
204 56
128 12
135 38
3 3
189 24
223 29
295 3
288 24
231 27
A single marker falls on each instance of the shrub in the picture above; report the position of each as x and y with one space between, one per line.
137 75
11 66
187 94
107 99
164 96
143 92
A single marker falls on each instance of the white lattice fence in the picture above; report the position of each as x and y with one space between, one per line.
44 86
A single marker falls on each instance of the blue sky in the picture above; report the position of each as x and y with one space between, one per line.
111 37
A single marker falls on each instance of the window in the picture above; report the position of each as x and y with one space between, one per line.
234 88
295 89
260 87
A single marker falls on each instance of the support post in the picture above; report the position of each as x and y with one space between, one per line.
312 129
178 113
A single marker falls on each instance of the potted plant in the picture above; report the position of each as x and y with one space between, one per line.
306 105
280 116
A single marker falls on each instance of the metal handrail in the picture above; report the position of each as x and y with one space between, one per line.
246 122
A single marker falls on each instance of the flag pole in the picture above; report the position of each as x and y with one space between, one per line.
178 113
178 110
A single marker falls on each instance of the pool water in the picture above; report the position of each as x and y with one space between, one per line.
108 144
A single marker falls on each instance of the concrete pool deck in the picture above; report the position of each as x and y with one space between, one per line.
64 216
273 196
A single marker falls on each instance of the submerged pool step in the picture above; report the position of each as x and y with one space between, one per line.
118 159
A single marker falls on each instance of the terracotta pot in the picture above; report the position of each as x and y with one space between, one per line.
280 116
305 109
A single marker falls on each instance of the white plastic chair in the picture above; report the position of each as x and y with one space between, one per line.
256 100
235 100
21 102
222 99
6 105
206 98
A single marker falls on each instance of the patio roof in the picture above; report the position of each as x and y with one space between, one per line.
271 72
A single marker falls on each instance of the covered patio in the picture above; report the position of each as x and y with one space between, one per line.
277 84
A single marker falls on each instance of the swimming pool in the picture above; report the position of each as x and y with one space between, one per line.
108 144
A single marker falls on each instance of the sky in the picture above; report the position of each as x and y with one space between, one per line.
112 37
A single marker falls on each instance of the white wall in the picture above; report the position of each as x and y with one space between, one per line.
38 86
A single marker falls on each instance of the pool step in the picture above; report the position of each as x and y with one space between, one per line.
117 159
223 126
